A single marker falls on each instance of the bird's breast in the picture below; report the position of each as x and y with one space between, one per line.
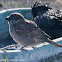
14 35
21 39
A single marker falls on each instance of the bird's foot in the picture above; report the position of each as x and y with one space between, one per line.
34 47
22 48
16 45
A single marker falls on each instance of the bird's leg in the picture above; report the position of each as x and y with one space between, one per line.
22 48
44 43
34 47
15 45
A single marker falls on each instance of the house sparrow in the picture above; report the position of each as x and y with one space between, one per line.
26 32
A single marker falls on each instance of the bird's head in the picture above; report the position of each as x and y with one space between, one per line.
39 8
14 17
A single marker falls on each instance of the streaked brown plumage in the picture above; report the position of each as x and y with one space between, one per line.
26 32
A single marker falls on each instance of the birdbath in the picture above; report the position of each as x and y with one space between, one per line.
43 52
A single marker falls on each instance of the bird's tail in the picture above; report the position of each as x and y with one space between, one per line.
54 43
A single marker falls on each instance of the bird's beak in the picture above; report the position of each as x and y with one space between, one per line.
7 18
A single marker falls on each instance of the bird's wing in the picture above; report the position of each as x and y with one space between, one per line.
29 29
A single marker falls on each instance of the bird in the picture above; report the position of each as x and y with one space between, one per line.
48 19
26 32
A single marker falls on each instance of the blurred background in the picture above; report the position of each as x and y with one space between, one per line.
8 4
